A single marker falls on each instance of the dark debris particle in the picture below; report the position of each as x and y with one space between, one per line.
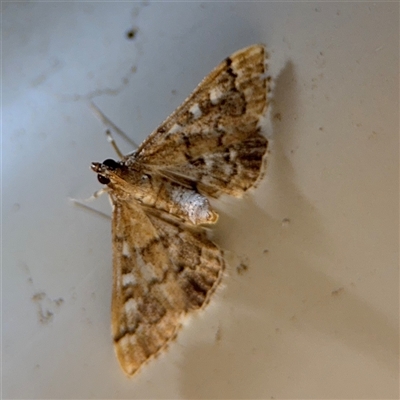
241 268
337 292
131 34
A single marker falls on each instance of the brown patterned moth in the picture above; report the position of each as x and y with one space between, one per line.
164 264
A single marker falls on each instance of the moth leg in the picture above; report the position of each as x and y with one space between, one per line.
109 124
81 204
94 196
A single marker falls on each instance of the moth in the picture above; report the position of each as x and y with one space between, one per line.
164 265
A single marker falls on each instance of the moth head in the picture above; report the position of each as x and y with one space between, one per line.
105 169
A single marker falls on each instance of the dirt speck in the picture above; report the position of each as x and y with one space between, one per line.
337 292
285 222
46 306
131 34
218 335
242 268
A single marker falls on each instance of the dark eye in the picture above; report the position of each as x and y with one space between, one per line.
111 164
103 180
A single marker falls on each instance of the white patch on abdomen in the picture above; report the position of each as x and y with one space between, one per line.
193 203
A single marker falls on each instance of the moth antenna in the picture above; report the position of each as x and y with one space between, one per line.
112 127
111 140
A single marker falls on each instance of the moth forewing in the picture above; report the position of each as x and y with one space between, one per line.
165 266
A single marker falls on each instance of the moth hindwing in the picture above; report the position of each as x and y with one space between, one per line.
165 266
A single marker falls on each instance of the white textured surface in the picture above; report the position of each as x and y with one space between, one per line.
315 316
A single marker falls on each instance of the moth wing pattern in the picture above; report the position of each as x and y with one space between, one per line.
162 270
164 265
214 138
